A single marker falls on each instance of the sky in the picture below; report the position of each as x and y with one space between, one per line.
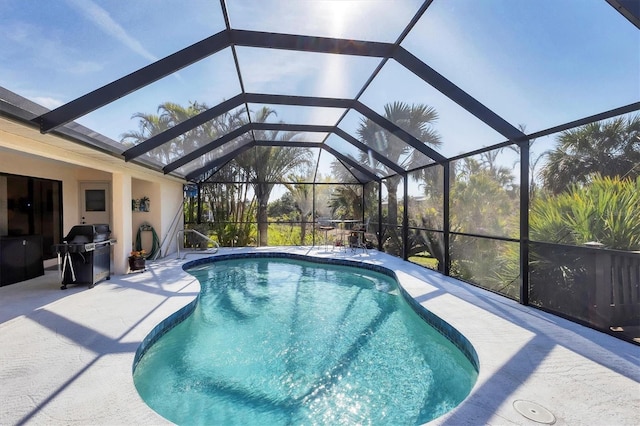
535 63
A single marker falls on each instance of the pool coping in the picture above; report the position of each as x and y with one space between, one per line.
67 356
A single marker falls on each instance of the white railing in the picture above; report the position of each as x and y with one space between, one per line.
180 236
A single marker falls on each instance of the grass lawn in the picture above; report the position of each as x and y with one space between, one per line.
426 261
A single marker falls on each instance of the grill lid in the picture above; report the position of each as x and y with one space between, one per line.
82 234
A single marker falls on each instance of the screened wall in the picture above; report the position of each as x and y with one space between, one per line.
479 139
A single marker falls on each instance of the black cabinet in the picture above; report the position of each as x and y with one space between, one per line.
20 258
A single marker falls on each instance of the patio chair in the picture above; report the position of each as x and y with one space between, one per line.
324 225
359 231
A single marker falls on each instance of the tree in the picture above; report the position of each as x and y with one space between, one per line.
417 120
262 166
284 207
346 202
345 199
149 125
483 201
171 114
232 207
562 277
559 275
609 148
267 165
534 161
302 195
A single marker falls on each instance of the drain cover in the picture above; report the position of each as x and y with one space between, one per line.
534 412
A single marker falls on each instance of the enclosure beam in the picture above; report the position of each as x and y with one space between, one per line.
313 213
287 127
218 162
446 222
228 105
399 132
304 43
230 155
132 82
352 163
587 120
311 101
295 144
405 217
224 107
182 128
199 219
630 9
193 122
197 51
249 127
217 143
356 105
524 222
380 216
364 148
456 94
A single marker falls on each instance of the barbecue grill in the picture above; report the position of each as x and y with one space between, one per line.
84 257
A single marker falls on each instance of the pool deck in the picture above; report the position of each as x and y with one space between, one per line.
66 356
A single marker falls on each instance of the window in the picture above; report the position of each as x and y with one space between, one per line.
95 200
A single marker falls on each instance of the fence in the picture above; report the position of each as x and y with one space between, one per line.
596 285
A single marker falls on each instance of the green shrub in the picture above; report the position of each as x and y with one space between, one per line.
606 210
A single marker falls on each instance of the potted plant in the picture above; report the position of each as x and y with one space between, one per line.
137 260
144 204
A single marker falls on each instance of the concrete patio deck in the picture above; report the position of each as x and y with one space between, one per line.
66 356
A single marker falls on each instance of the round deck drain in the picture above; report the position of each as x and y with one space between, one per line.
534 412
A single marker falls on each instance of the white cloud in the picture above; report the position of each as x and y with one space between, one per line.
104 21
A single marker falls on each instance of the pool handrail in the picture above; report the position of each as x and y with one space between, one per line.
213 250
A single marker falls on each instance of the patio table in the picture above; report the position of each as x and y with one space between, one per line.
341 228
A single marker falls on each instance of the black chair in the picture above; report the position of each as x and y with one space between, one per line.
324 225
357 238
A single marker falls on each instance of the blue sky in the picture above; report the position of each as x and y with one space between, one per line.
538 63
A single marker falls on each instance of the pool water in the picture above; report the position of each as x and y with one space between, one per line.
280 342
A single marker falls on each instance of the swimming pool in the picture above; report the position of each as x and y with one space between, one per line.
274 340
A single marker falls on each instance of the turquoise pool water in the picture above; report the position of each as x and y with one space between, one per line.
285 342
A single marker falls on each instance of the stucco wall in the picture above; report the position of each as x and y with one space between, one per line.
165 201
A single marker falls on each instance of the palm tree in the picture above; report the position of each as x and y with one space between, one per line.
418 121
609 148
482 200
149 125
533 162
501 174
345 201
269 164
302 194
171 114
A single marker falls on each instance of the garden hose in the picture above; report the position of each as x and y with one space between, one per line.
155 244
